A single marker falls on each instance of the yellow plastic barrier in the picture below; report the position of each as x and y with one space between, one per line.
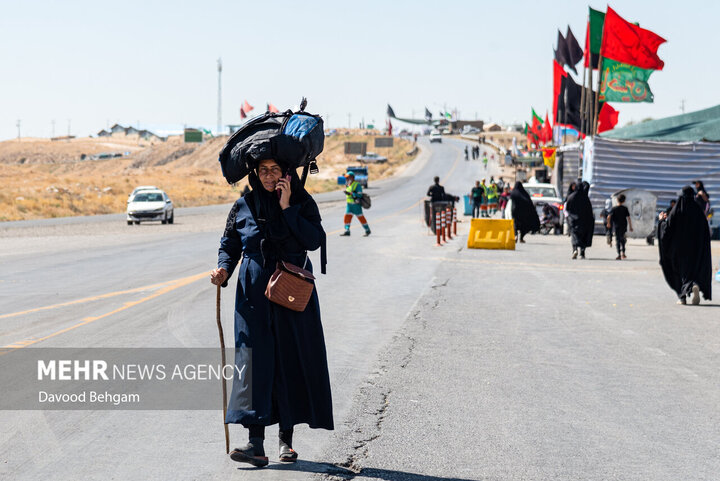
491 234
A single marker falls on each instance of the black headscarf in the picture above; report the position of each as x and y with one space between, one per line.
684 245
702 202
523 211
571 188
580 216
278 241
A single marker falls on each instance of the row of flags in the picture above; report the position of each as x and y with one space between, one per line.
246 108
622 54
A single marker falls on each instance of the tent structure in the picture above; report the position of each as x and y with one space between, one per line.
703 125
660 156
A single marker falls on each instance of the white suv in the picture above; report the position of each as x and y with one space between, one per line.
150 204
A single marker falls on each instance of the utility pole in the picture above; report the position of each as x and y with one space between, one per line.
682 105
349 120
219 106
18 126
68 130
53 127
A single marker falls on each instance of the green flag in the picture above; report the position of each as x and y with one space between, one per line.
597 19
537 117
624 83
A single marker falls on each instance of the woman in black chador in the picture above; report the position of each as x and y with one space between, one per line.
581 219
684 244
277 220
524 215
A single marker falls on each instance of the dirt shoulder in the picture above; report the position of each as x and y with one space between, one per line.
43 178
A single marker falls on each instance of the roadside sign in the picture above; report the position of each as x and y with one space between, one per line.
356 148
193 135
383 142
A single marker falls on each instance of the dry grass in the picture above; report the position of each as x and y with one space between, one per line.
52 182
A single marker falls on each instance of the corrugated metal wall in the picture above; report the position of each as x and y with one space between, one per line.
663 168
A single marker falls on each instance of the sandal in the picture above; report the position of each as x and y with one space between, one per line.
246 454
287 454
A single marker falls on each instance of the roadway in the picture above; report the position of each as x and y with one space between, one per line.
445 363
97 282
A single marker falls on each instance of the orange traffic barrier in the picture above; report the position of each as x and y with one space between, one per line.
455 220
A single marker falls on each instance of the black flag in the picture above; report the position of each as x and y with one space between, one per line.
561 52
568 103
428 115
390 112
574 51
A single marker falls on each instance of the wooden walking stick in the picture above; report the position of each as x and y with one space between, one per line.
222 378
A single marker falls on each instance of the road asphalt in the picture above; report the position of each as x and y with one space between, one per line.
445 363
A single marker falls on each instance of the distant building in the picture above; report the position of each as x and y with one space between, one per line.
493 127
117 129
103 133
131 131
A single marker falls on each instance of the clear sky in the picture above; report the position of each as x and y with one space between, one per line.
153 63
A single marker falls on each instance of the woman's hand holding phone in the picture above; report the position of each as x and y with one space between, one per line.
283 191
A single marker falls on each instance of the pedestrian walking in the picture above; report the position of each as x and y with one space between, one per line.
503 200
436 191
476 194
684 245
289 382
581 220
618 221
702 197
353 195
524 215
484 199
485 161
492 198
467 152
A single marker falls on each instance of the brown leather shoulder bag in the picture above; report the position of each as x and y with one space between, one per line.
290 286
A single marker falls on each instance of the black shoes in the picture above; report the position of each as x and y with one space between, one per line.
251 454
346 233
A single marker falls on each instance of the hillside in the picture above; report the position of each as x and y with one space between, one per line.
44 178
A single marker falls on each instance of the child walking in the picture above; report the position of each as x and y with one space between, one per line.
618 221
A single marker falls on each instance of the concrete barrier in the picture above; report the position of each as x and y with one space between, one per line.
491 234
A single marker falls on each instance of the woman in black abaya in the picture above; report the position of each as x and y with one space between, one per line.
277 220
581 220
684 244
524 214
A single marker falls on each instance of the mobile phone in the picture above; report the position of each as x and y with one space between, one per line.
278 191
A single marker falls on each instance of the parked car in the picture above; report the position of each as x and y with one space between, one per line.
542 194
371 158
150 205
436 137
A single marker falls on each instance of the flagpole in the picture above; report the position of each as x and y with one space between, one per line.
597 95
582 103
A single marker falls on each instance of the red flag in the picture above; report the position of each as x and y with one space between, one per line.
546 132
243 115
627 43
272 108
247 107
558 74
608 118
389 128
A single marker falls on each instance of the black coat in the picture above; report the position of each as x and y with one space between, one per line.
580 216
290 382
684 245
523 210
